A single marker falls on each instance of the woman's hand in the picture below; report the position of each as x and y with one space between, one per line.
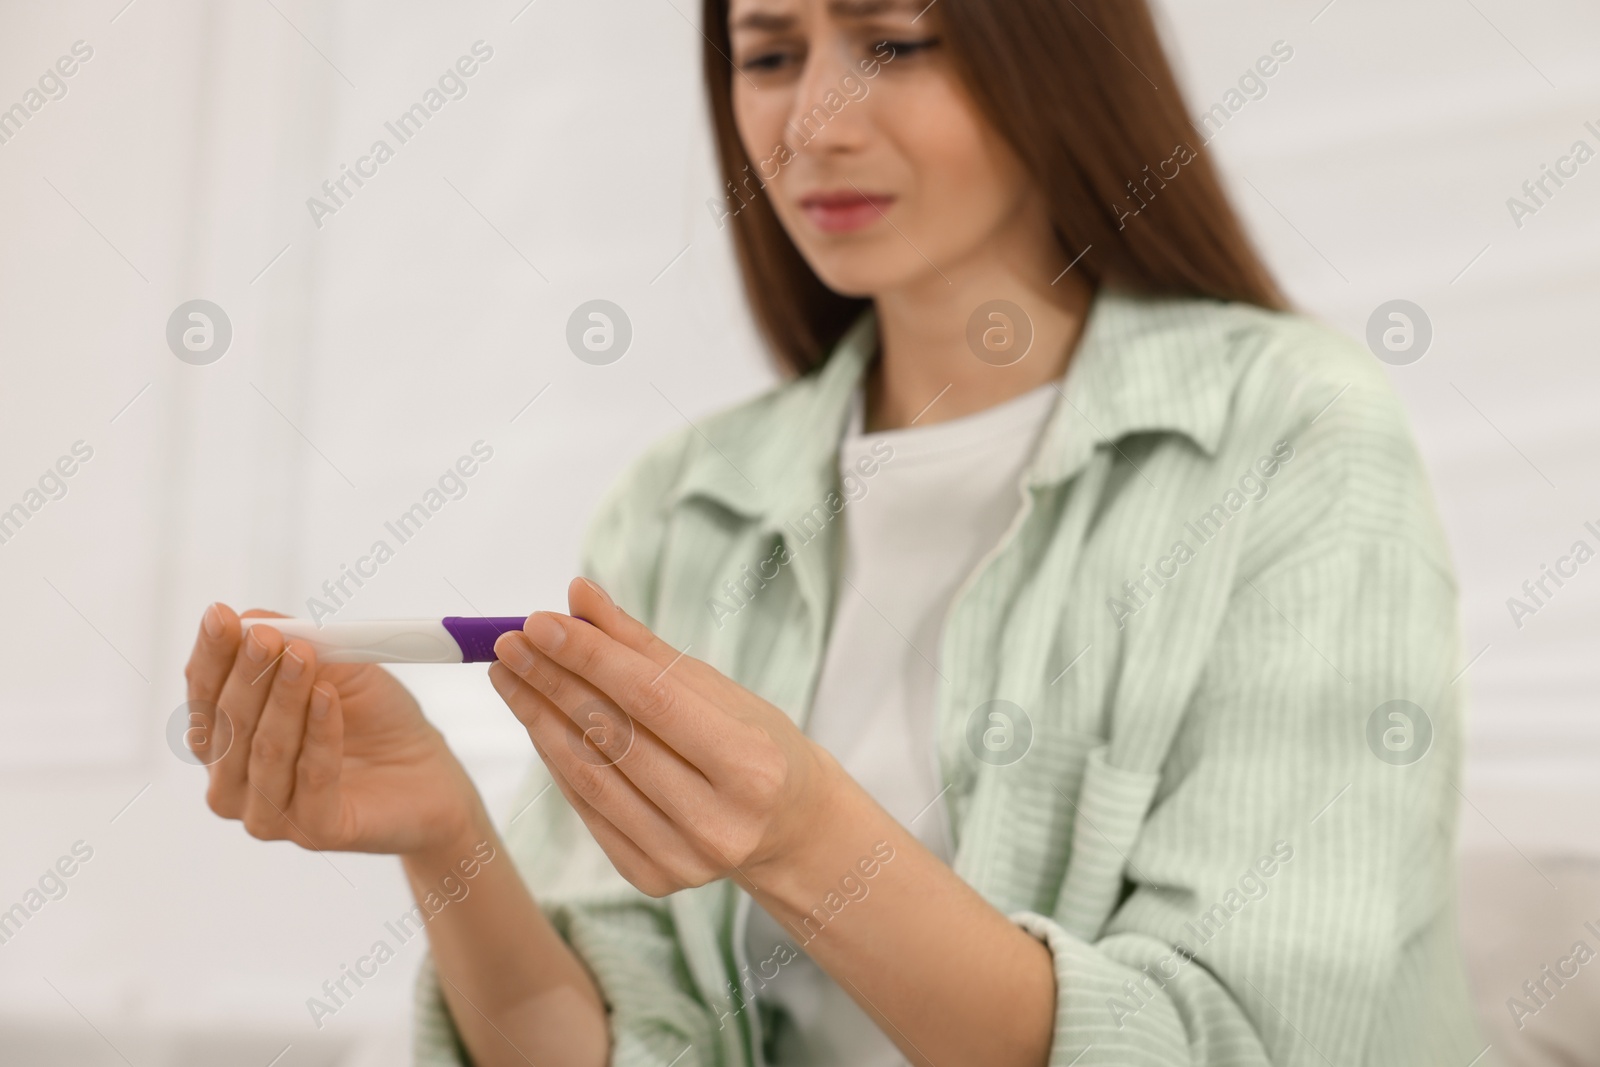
684 777
681 775
332 756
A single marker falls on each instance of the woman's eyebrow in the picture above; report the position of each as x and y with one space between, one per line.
865 9
841 9
764 20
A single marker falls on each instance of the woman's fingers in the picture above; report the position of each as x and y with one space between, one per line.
590 775
215 645
649 692
212 656
593 605
315 805
607 736
244 694
631 861
275 744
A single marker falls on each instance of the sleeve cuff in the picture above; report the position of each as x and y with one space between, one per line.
1108 1011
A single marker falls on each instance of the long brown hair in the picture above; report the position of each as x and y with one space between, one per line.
1083 92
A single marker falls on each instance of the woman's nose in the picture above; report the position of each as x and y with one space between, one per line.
826 115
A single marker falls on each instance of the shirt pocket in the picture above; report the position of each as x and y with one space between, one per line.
1019 821
1109 812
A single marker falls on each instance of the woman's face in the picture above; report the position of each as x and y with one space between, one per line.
879 164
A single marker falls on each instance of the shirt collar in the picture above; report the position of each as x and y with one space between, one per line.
1143 365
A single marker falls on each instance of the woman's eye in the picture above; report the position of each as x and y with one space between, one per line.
887 50
766 62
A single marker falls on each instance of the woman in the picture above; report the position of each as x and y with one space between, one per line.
1057 670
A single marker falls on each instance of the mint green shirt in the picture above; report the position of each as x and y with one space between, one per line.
1225 571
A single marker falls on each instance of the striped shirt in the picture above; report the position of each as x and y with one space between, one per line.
1222 630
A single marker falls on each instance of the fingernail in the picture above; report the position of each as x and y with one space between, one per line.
512 650
212 621
290 666
254 647
319 701
544 631
601 592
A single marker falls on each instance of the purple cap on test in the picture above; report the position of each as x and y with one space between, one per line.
477 636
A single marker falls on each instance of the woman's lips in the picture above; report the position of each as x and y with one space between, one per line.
844 212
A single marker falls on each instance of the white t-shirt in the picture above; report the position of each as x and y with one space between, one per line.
937 502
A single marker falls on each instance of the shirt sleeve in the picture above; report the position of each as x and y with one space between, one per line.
627 942
1288 898
626 938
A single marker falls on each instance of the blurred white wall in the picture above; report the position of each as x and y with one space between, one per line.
372 350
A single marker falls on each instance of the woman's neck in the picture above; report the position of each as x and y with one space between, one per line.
927 371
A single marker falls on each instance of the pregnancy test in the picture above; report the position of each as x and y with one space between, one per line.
455 639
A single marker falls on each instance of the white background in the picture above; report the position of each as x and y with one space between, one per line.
370 353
